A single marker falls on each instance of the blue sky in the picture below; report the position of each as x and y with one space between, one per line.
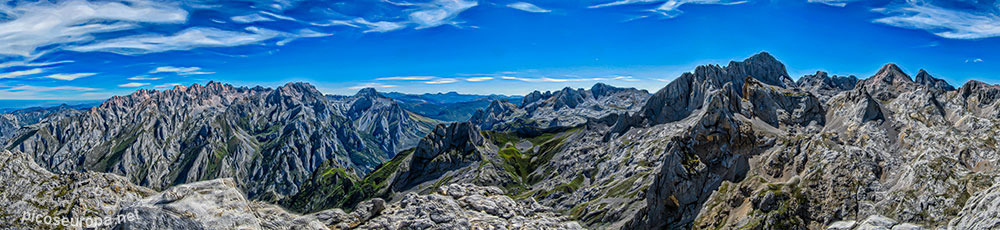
79 49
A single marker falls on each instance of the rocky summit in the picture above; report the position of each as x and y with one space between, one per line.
740 146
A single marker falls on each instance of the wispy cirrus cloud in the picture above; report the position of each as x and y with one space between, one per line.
372 85
947 19
549 79
442 81
196 37
668 8
36 92
837 3
21 73
379 26
976 60
478 79
167 85
439 12
144 78
250 18
70 76
528 7
48 88
179 70
171 69
35 25
133 84
406 78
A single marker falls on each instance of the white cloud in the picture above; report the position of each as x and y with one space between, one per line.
278 16
406 78
42 24
371 85
442 81
168 85
46 92
133 84
973 60
17 74
623 78
195 73
837 3
144 78
669 8
171 69
250 18
31 64
359 22
29 88
528 7
439 12
187 39
179 70
478 79
954 23
69 77
549 79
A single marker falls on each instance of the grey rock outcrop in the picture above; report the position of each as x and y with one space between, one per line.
11 122
824 86
212 204
981 212
271 140
781 107
889 82
496 113
458 206
446 149
571 107
926 79
27 188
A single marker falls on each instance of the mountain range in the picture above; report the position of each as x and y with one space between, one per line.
740 146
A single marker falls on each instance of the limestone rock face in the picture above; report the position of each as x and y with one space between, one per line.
494 114
889 82
926 79
571 107
907 160
213 204
981 212
11 122
26 187
270 139
781 107
458 206
447 148
688 92
824 87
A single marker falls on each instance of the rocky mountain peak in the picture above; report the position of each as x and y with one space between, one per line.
497 112
824 86
448 147
926 79
761 66
888 83
367 92
891 73
601 89
300 88
297 93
